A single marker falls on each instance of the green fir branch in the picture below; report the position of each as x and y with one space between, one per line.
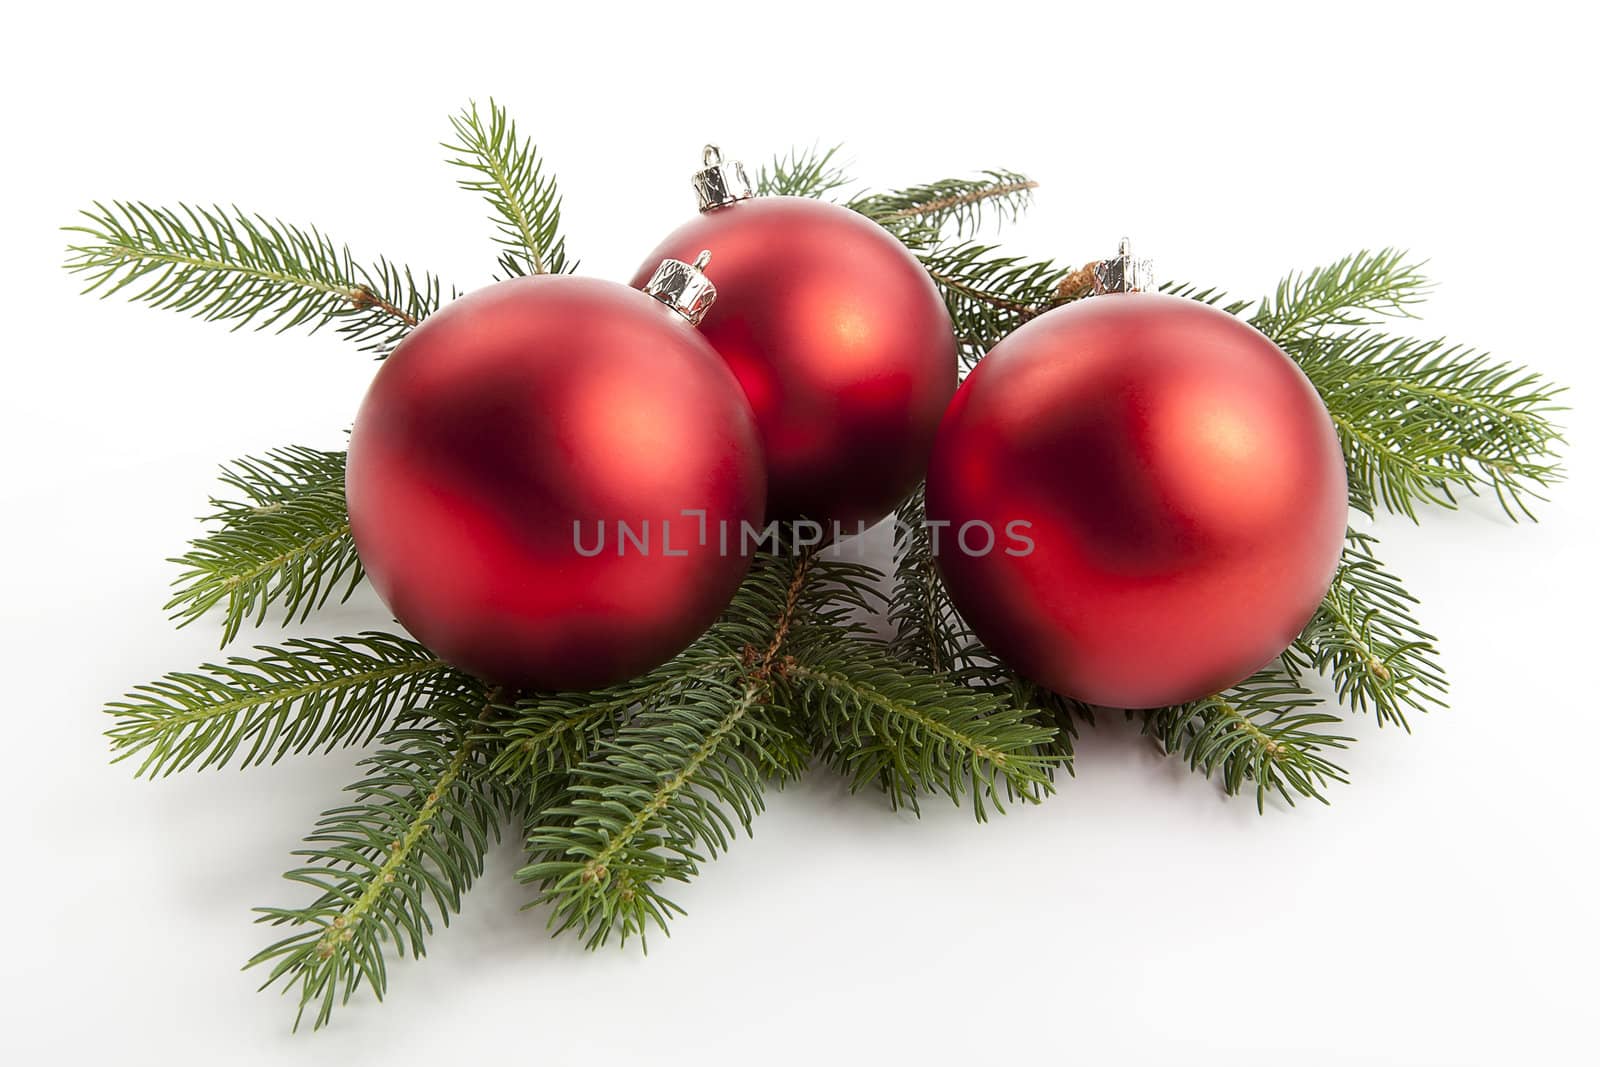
308 694
1358 290
1366 639
664 796
384 866
508 172
811 172
541 733
913 734
1260 733
285 541
260 482
224 265
1426 421
958 205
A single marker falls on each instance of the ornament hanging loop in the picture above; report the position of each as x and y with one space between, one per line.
1123 273
684 287
719 183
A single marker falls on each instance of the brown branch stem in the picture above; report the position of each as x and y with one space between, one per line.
363 297
972 196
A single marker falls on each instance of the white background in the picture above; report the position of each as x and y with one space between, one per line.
1440 911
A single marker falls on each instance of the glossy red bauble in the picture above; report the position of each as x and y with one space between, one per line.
510 434
1184 493
841 342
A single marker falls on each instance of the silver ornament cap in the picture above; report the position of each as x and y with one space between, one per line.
718 183
684 287
1123 273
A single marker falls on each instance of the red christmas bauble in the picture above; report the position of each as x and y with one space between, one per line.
841 342
1183 490
522 428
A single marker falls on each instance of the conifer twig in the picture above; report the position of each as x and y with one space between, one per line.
1357 290
1365 638
802 172
1425 421
655 802
308 693
911 734
402 852
508 172
959 205
285 541
666 792
1261 733
538 734
224 265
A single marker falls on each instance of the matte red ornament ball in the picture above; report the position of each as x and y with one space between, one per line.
841 342
1184 492
518 413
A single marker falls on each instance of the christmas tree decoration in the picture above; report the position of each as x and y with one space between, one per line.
1179 483
619 793
543 478
837 335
